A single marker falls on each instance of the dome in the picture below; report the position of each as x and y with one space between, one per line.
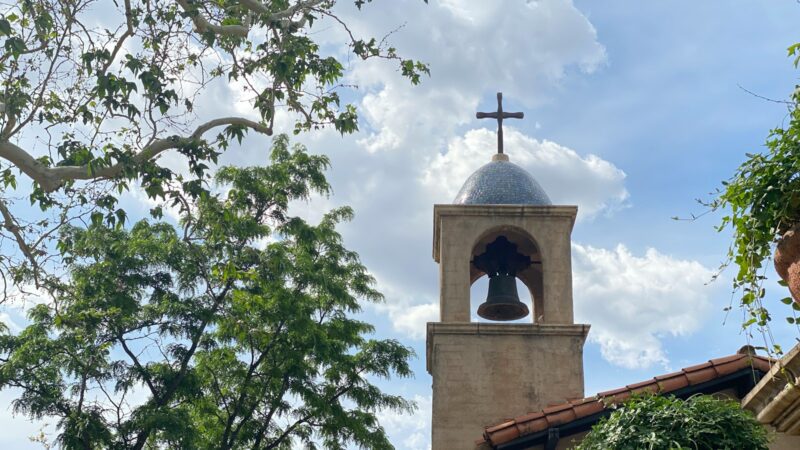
501 183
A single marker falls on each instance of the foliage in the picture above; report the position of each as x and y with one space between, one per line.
763 197
92 92
231 331
664 422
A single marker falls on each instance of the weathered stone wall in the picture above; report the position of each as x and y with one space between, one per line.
783 441
458 228
482 372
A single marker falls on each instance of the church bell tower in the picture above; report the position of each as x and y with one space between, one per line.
501 225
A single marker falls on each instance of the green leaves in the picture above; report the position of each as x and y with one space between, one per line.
763 198
5 27
413 70
237 325
664 423
116 99
14 46
794 50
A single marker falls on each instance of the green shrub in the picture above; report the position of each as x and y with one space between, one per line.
665 422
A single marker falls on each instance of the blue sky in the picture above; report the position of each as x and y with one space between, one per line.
632 111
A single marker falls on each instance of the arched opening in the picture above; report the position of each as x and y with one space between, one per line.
519 245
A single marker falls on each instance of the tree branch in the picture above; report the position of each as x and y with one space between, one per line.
10 224
284 16
237 405
172 387
142 371
51 178
202 24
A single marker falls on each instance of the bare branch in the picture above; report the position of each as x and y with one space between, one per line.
10 224
284 16
202 24
51 178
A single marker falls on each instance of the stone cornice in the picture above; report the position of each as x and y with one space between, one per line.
478 328
554 211
499 329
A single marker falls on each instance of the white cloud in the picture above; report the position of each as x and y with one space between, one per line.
12 325
474 48
411 320
632 302
409 431
595 185
407 312
17 428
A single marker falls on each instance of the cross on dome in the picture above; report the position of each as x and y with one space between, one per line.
500 115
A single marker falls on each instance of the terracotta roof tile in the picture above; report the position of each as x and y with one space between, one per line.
559 417
580 401
559 414
533 426
669 375
589 408
509 423
530 416
726 359
697 367
619 397
556 408
504 435
650 388
728 368
673 383
701 375
611 392
638 385
650 385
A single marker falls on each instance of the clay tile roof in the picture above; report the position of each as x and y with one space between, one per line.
556 408
559 414
612 392
669 375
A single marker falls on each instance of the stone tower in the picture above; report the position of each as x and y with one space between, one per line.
485 372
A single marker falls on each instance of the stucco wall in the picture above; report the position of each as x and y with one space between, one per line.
484 372
457 229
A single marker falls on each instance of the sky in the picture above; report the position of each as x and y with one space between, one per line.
633 110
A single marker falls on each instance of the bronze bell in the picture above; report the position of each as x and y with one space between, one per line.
502 302
501 262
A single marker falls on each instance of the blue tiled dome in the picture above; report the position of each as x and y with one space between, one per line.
501 183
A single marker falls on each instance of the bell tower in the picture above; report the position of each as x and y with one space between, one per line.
502 225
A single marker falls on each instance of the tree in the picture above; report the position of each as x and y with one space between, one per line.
663 422
231 331
92 92
762 203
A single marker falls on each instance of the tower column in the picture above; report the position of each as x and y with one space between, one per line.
501 225
454 282
486 372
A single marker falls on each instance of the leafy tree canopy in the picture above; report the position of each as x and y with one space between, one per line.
665 423
93 91
231 331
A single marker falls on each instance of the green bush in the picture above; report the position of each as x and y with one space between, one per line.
665 422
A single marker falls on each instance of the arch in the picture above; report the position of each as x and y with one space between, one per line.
532 277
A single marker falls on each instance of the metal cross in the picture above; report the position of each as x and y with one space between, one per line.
500 115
